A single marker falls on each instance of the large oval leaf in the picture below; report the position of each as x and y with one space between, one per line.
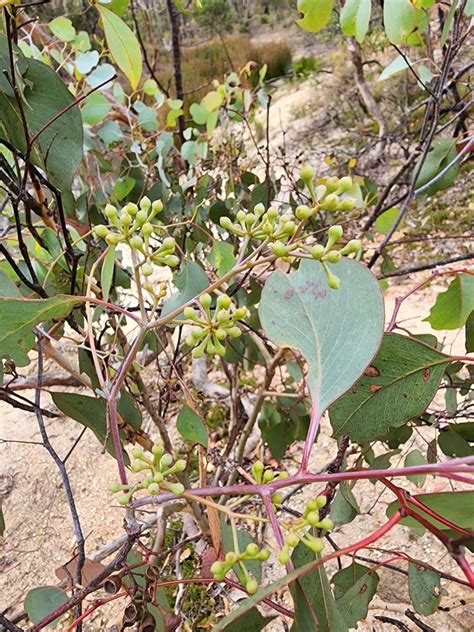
316 14
453 307
397 387
123 45
337 331
355 18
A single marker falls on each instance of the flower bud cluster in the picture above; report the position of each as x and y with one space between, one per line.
261 225
160 468
298 530
330 194
133 225
210 326
220 568
261 474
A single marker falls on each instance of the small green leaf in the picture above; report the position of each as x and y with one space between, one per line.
251 621
453 444
85 62
416 458
315 606
95 108
42 601
354 588
191 427
384 222
107 272
123 45
355 18
398 386
400 18
337 331
222 257
442 152
190 281
454 306
63 29
424 586
344 507
19 316
199 113
212 101
316 14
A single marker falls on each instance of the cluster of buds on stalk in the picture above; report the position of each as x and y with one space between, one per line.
220 568
160 468
298 530
261 225
210 326
330 194
133 225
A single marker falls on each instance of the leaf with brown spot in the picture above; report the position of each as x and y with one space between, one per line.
409 376
371 371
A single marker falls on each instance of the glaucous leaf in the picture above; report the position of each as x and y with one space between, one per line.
42 601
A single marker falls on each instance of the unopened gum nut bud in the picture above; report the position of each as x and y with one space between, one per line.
221 334
147 229
268 476
306 173
330 202
126 219
110 211
252 586
252 549
138 467
354 245
259 209
157 206
171 261
189 312
153 489
279 249
176 488
345 183
257 470
241 215
136 242
334 282
333 256
217 568
312 518
112 239
332 184
224 301
292 540
137 453
147 269
234 332
205 300
101 231
277 498
250 219
198 352
231 557
335 232
222 316
166 460
347 204
123 499
141 217
284 556
272 213
145 203
263 555
240 312
225 222
114 488
168 243
303 212
326 524
158 477
317 251
322 501
312 505
180 465
158 447
315 544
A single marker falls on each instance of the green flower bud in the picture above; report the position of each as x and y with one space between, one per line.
124 499
303 212
115 487
145 203
333 256
257 471
126 219
198 352
259 209
180 465
241 215
277 499
189 312
263 555
335 232
205 300
320 191
317 251
252 586
284 555
333 281
157 207
267 228
240 313
165 461
332 184
353 246
217 568
139 467
231 557
110 211
226 222
306 174
292 540
153 489
322 501
158 477
171 261
326 524
250 219
158 448
221 334
141 217
147 269
176 488
315 544
268 476
222 316
330 202
279 249
224 301
347 204
219 349
101 231
312 505
169 244
252 549
312 518
234 332
147 229
136 242
272 214
112 239
137 453
345 184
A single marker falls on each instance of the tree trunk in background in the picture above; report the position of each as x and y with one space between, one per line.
174 20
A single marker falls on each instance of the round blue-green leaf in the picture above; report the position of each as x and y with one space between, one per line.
337 331
42 601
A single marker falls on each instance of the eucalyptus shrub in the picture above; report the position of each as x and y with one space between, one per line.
147 249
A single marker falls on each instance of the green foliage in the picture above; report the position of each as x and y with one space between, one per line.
398 385
454 306
40 602
425 588
355 18
316 14
354 588
191 427
215 16
441 154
